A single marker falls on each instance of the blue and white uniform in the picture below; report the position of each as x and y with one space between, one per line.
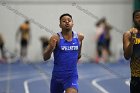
65 73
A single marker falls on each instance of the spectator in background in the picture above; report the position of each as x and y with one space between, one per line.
108 38
3 56
24 32
44 41
103 40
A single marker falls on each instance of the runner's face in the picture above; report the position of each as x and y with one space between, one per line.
137 17
66 23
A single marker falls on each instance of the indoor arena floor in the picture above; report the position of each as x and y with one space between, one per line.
93 78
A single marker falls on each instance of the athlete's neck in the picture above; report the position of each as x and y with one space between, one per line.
138 29
67 32
67 35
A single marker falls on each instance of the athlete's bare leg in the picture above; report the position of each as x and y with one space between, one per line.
71 90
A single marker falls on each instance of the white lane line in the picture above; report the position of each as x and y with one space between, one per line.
16 73
94 83
8 76
26 88
15 77
43 74
44 77
127 82
86 76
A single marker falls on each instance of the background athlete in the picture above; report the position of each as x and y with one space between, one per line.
131 46
103 40
24 32
2 46
44 42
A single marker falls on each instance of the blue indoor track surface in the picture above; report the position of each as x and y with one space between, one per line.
93 78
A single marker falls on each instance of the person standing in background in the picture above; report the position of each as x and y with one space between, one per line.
103 39
25 36
44 42
3 56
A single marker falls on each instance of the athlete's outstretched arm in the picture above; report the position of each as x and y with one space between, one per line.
51 46
80 37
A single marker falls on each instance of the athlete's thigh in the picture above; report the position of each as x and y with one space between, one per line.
71 85
56 86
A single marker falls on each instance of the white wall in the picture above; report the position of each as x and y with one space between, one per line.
118 13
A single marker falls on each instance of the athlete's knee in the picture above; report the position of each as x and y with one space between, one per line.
71 90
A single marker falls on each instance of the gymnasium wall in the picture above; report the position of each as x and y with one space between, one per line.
47 12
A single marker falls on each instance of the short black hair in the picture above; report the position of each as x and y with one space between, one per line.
134 13
102 20
27 21
66 14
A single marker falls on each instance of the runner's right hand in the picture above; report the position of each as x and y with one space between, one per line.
133 32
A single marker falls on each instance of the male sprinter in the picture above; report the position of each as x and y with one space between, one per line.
66 46
131 46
